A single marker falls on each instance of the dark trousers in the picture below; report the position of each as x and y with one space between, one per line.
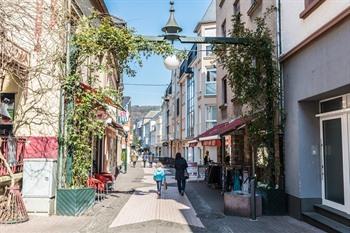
159 186
144 163
181 185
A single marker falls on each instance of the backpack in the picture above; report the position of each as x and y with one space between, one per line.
158 175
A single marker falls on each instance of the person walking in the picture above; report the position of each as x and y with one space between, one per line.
144 158
150 159
133 159
159 177
181 173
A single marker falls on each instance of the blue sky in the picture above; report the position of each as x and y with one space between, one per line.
147 17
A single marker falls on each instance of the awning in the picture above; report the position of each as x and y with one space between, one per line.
232 126
211 137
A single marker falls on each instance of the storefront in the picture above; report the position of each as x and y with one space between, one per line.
224 152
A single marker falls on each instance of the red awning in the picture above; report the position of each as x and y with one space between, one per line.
213 131
221 129
232 126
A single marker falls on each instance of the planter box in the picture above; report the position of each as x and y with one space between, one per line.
74 202
274 201
238 204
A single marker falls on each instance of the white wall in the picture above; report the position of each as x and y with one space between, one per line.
294 29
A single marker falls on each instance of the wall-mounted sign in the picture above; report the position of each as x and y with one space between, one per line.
215 142
16 53
7 108
123 117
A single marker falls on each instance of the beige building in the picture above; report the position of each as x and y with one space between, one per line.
225 9
32 103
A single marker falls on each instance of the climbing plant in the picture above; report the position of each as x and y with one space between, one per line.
95 38
254 79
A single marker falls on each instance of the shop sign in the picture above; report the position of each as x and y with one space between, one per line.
123 117
193 144
16 53
215 142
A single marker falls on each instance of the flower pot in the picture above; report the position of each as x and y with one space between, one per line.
74 202
274 201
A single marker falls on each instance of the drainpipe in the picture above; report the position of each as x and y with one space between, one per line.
281 89
61 111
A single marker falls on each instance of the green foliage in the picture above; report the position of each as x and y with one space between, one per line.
122 42
254 79
97 37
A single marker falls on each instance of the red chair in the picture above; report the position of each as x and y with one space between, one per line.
106 179
96 184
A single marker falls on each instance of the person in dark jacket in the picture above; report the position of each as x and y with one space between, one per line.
180 170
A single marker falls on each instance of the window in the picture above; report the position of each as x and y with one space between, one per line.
177 106
310 6
224 91
236 7
223 28
211 116
208 50
190 107
309 2
210 82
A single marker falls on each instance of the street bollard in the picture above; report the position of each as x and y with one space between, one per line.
253 198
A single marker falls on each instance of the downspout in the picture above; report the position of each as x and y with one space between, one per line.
281 90
61 108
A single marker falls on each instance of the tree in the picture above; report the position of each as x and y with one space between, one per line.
254 79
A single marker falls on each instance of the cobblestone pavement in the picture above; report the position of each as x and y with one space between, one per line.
135 208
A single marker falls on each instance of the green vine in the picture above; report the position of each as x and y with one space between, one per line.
96 37
254 79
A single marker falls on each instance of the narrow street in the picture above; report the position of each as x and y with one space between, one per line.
135 207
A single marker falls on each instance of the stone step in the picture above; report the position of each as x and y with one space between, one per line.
324 223
332 213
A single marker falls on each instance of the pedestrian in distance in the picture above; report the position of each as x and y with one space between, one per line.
159 177
206 158
181 173
150 159
133 159
144 158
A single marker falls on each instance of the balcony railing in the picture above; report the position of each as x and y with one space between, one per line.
13 150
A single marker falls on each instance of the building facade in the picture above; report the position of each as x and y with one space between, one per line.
32 104
315 62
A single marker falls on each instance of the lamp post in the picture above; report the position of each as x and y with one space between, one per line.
172 30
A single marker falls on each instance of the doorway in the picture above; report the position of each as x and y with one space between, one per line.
335 159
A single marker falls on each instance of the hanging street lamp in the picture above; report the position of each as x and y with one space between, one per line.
171 33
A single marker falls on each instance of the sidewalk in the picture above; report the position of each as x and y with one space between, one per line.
209 205
135 208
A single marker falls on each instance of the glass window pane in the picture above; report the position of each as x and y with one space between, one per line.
332 105
333 160
210 88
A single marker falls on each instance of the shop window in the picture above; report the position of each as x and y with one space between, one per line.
7 112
